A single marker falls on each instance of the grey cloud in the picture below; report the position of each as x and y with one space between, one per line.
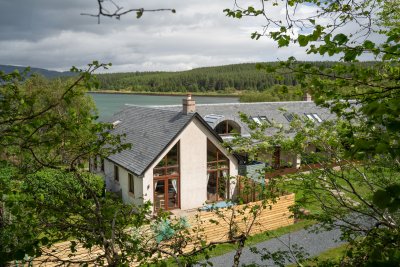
52 34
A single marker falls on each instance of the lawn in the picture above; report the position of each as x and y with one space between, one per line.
334 254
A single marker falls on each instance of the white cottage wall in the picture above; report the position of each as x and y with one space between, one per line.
122 186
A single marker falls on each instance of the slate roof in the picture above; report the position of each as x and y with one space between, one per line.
149 131
274 111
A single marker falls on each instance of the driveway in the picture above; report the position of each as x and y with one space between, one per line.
313 244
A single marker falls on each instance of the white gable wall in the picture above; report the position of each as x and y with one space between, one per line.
193 165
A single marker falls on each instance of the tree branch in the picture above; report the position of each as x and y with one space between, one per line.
119 11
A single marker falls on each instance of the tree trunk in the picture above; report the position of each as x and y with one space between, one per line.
239 250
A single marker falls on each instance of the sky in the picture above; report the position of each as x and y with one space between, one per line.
53 34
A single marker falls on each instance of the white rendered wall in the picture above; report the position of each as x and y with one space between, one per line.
122 186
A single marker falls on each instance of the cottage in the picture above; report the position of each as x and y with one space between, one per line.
177 160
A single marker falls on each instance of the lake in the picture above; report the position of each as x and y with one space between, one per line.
108 104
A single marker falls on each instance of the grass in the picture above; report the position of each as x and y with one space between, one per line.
333 254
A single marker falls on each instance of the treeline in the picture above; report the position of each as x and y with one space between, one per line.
273 94
223 79
250 83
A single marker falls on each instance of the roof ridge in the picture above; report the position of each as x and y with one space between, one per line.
235 103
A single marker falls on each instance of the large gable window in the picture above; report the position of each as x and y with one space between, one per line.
166 181
217 174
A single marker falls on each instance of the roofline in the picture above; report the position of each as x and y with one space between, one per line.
223 104
219 138
169 143
137 175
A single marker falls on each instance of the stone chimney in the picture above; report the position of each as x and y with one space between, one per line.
188 105
307 97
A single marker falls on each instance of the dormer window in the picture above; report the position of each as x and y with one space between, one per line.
227 127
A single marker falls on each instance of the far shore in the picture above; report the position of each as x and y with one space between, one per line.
199 94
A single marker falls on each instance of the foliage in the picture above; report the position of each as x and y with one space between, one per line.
50 123
50 206
275 93
48 131
360 195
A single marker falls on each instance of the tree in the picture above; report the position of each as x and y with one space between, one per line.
48 132
48 126
362 197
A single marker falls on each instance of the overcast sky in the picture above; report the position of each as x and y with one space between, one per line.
52 34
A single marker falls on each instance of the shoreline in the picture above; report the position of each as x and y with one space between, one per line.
114 92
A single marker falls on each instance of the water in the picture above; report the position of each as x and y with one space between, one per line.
108 104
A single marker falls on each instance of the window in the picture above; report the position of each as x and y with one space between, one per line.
313 117
317 117
217 174
288 116
256 120
131 181
116 173
310 117
95 163
264 119
166 181
227 127
102 165
260 119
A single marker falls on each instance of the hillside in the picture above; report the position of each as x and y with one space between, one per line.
44 72
228 78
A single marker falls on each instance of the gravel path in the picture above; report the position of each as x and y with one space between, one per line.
313 244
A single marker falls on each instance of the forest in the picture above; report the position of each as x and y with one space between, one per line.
251 81
228 79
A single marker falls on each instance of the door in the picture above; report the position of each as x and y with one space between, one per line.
166 194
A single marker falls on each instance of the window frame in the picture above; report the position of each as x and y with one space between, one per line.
218 168
116 173
95 166
131 183
317 117
288 116
163 169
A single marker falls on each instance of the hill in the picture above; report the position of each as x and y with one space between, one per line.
229 78
44 72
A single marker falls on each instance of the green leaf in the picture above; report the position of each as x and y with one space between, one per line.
369 44
341 38
303 40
